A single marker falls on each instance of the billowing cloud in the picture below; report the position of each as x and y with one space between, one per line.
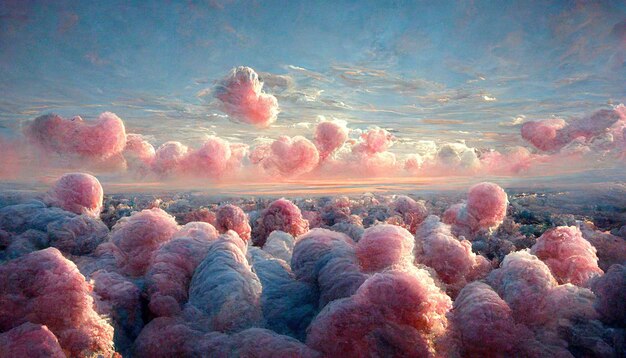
242 98
554 134
330 136
287 156
100 139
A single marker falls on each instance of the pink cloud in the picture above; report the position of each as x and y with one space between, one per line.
79 193
10 159
554 134
169 157
214 159
139 153
329 136
287 156
370 155
571 258
242 97
45 287
100 139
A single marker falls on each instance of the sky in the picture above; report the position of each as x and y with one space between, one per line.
425 71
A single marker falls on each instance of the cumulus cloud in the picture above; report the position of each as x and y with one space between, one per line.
214 159
370 156
400 311
139 236
287 156
79 193
45 288
100 139
554 134
224 287
330 136
383 246
231 217
485 209
281 215
173 265
571 258
242 98
457 155
452 259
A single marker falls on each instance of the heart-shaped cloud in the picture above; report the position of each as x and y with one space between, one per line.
287 156
102 138
244 101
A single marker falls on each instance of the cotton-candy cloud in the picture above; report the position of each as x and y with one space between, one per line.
231 217
210 160
452 259
279 244
400 311
119 298
100 139
483 323
327 259
554 134
383 246
30 340
288 304
330 136
39 227
281 215
79 193
485 209
524 282
511 161
287 156
370 155
571 258
224 287
611 292
214 159
139 153
139 236
45 288
411 212
169 157
173 265
242 98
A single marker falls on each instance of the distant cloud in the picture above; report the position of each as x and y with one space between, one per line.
100 139
242 98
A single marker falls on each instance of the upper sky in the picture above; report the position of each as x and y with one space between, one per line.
424 70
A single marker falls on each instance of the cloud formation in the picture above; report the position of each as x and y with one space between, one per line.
242 98
100 139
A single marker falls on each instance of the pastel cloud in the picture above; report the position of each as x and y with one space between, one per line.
554 134
100 139
287 156
330 136
242 98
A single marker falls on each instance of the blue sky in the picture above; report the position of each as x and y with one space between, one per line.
425 70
